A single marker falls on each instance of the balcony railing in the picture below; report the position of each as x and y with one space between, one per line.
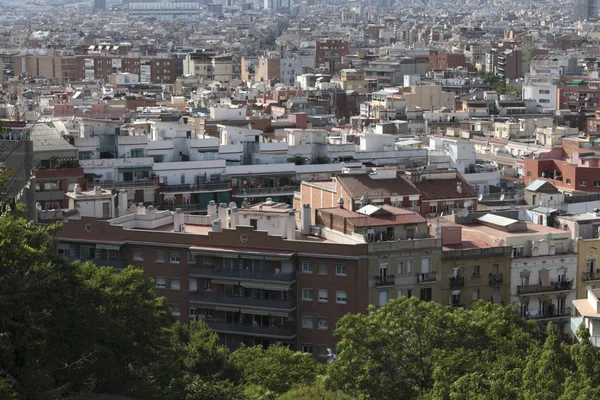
265 191
457 281
143 183
553 287
554 314
49 195
384 280
198 188
242 274
426 276
276 332
243 302
590 276
116 264
496 279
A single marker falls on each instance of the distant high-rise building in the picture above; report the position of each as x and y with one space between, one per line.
100 5
585 9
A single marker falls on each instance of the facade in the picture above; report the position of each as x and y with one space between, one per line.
209 66
63 69
541 83
351 79
329 53
578 94
588 272
567 176
588 308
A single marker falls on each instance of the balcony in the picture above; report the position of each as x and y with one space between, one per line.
198 188
116 264
590 276
140 184
274 332
553 287
547 315
266 191
457 281
242 302
49 195
212 272
381 281
427 277
496 279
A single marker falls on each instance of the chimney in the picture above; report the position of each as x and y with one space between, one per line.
234 219
459 187
178 220
141 209
122 202
216 226
290 233
77 189
223 215
306 219
212 209
150 209
97 190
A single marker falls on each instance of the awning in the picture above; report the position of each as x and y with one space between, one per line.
496 295
252 285
231 309
545 277
109 246
277 286
255 312
136 169
208 150
278 313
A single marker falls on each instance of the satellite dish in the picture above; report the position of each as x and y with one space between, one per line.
501 242
438 230
442 214
468 204
364 167
480 197
342 165
502 197
513 207
463 213
232 205
38 207
516 196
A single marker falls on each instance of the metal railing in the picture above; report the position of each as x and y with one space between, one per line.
553 287
239 301
143 183
184 207
284 332
496 279
457 281
384 280
589 276
554 314
48 195
201 187
242 274
265 191
426 276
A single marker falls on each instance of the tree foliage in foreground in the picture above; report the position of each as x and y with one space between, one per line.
76 329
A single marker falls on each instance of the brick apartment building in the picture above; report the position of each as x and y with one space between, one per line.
578 173
330 52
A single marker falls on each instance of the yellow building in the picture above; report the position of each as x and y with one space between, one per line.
352 79
588 272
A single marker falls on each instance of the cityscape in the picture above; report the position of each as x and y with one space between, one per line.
274 166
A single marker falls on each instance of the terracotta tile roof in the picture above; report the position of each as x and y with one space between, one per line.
363 185
391 216
432 189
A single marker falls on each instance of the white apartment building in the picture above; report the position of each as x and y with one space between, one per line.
541 83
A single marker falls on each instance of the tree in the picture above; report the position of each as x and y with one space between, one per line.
313 391
272 372
584 380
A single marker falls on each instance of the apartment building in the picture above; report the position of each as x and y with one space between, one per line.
329 53
63 69
352 79
543 266
578 94
208 66
248 272
578 173
588 271
541 83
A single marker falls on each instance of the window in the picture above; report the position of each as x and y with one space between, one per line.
208 284
307 268
307 348
340 297
254 224
307 294
193 285
174 257
456 298
307 321
433 208
207 260
383 298
596 183
544 91
528 173
191 258
409 293
517 252
323 296
322 350
400 267
582 183
409 266
340 270
161 283
322 323
138 254
544 101
476 270
322 269
475 296
174 283
175 310
160 256
568 181
193 312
